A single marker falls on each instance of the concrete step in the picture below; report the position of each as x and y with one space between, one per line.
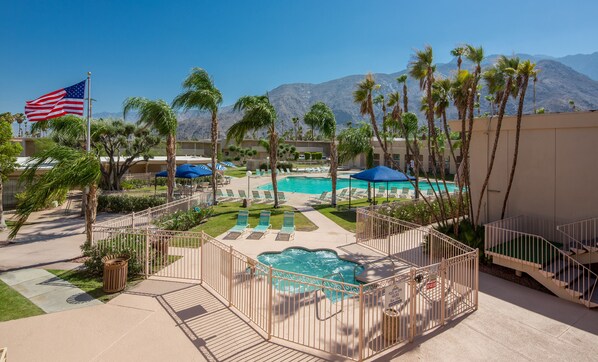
582 286
553 268
568 276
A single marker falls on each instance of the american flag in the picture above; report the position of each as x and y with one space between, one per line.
67 100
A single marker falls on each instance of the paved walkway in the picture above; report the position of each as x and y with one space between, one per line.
158 321
47 291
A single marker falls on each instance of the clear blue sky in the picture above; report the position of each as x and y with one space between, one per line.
146 48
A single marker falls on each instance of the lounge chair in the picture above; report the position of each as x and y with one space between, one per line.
220 195
242 224
394 192
288 225
268 196
321 198
264 224
242 194
256 196
282 198
287 170
343 194
405 193
231 194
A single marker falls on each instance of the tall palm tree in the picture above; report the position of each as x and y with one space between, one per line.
525 70
403 79
459 52
379 100
258 114
159 116
71 169
323 118
200 93
499 81
20 118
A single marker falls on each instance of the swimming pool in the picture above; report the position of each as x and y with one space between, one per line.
317 185
318 263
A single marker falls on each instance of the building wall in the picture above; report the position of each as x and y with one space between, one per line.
556 169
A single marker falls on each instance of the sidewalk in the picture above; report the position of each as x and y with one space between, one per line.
47 291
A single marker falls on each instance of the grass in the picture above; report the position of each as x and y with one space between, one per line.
225 217
236 172
342 215
90 284
14 306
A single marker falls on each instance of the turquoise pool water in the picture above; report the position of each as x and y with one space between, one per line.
318 263
317 185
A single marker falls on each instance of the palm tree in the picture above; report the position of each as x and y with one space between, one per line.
410 129
403 79
323 118
71 169
295 121
379 100
458 52
499 80
20 118
356 141
258 114
525 70
158 115
200 93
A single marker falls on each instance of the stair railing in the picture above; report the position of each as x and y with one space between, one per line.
579 233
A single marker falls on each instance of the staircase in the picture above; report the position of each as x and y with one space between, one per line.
556 261
581 240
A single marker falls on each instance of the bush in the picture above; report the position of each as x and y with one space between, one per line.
127 203
307 156
94 254
416 212
264 166
316 156
60 198
296 156
183 220
285 165
133 184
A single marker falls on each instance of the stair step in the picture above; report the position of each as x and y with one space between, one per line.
567 276
577 251
554 268
582 286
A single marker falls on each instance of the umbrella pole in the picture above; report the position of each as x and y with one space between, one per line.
374 193
386 191
155 184
349 193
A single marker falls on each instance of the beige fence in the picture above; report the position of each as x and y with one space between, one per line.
528 242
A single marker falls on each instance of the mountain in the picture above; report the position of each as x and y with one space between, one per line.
583 63
557 84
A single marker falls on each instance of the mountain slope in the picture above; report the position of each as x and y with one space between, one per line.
583 63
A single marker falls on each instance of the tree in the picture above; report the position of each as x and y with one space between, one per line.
258 114
72 168
20 118
363 96
8 157
525 70
355 141
159 116
458 52
123 144
499 80
201 93
295 121
403 79
322 117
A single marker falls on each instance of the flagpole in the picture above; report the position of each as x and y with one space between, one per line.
88 144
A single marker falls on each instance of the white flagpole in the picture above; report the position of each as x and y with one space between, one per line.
88 112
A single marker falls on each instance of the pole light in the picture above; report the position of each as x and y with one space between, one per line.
248 183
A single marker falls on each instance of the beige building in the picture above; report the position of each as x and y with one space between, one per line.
557 167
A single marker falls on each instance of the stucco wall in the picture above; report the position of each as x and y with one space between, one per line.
557 168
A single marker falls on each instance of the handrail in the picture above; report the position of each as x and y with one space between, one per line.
559 257
566 229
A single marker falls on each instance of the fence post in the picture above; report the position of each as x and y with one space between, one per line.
149 215
133 220
442 273
147 246
361 322
389 226
412 305
230 275
269 327
201 236
476 277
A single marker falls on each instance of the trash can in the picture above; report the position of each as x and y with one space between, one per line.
390 325
115 272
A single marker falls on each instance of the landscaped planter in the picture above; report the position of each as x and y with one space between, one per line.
115 273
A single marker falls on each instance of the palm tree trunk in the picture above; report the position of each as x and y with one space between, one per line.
516 152
333 170
171 166
501 113
273 151
2 222
91 208
214 153
405 99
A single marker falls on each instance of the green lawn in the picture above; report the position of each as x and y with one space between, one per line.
342 215
14 306
235 172
90 284
225 217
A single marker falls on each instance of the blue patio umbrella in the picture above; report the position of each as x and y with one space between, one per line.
220 167
229 164
379 174
186 171
204 167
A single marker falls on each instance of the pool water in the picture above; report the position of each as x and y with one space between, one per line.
317 185
318 263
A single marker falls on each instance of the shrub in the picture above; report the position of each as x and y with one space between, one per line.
127 203
59 198
296 156
416 212
316 155
307 156
94 254
285 165
183 220
264 166
133 184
